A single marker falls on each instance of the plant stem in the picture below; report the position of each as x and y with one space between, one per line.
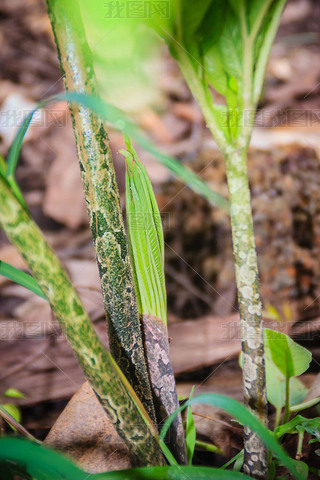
300 444
111 387
102 200
246 266
209 447
278 417
286 414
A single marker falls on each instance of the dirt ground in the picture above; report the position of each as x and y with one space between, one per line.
284 173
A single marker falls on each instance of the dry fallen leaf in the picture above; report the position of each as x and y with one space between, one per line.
84 432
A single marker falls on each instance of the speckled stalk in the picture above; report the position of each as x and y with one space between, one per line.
163 384
246 266
102 198
111 387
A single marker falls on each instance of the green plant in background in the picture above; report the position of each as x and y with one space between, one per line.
225 46
285 360
10 408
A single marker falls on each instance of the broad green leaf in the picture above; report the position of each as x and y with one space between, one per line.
191 18
283 355
312 426
20 277
120 121
190 432
289 427
41 463
290 358
123 49
13 393
212 25
227 43
146 243
245 417
276 387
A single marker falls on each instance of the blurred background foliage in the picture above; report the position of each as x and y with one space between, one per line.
126 57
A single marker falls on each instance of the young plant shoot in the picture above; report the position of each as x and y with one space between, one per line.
146 247
224 46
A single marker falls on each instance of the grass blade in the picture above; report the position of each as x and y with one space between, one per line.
22 278
190 432
43 463
245 417
119 120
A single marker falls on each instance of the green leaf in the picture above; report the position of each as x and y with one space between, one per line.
239 462
309 425
312 426
190 432
21 278
146 243
289 427
290 358
3 166
13 411
283 355
302 469
297 407
121 122
276 387
13 393
43 463
245 417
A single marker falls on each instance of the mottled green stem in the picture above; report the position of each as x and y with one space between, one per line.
246 266
113 390
102 200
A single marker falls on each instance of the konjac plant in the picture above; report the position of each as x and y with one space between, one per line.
220 47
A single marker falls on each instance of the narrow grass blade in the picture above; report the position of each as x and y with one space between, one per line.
190 432
119 120
13 155
42 463
243 415
20 277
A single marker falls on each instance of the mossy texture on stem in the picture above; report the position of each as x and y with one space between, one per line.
102 198
113 390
